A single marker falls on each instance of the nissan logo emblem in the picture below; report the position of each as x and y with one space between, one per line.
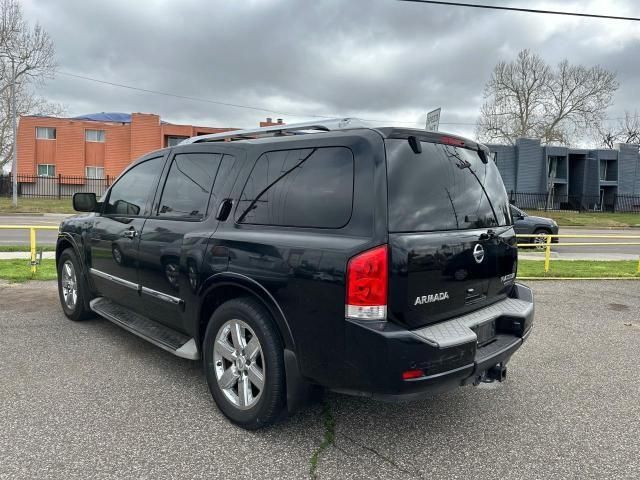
478 253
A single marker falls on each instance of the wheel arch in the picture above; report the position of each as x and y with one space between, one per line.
222 287
65 241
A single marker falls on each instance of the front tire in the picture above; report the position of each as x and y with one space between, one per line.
72 289
244 365
540 239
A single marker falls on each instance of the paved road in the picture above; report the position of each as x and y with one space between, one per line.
10 237
89 400
21 237
615 252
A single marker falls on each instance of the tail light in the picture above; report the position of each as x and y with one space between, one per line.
367 279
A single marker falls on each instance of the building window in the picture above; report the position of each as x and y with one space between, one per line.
603 169
173 140
94 135
95 172
45 133
46 170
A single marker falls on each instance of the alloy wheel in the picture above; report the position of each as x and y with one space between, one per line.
540 241
239 364
69 285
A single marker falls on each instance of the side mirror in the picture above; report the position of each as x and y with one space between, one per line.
85 202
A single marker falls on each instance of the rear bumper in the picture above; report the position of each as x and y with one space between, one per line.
448 353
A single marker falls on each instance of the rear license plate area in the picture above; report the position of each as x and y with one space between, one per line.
486 333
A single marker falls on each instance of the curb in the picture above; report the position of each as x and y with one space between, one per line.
578 278
599 227
20 214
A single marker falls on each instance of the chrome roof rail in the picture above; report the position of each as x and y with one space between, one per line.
321 125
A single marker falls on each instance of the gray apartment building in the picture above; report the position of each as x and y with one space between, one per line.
536 176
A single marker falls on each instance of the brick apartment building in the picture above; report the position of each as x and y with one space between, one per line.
93 146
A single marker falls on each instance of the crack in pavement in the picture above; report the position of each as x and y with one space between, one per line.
378 454
327 441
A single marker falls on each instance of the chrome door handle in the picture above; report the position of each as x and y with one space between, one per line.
130 233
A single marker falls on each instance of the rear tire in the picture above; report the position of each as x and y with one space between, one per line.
244 364
72 287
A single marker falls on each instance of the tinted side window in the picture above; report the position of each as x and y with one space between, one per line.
188 186
129 194
302 188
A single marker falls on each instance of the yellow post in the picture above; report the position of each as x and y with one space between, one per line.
32 238
638 271
547 253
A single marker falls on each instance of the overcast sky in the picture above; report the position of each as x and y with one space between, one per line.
372 59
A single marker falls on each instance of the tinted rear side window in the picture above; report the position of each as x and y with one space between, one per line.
443 188
300 188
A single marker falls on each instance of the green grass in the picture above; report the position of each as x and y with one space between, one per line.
36 205
591 219
25 248
328 438
18 271
579 269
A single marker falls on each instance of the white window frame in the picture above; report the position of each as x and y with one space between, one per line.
95 177
178 137
98 137
48 130
48 165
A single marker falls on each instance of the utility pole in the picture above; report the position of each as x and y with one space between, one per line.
14 165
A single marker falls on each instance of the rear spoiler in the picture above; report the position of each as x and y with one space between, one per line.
412 135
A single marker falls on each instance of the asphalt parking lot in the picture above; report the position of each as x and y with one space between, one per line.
89 400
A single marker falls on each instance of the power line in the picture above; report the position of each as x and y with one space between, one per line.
186 97
217 102
250 107
525 10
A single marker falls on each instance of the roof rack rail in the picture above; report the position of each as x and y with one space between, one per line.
322 125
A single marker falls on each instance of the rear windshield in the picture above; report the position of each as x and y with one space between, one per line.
443 188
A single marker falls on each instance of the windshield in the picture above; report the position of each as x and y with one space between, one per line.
516 212
443 188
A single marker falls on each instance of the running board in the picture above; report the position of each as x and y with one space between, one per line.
160 335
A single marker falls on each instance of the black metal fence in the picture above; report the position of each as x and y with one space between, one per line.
607 202
60 186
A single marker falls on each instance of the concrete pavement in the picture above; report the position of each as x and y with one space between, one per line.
89 400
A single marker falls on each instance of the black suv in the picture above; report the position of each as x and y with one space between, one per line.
369 261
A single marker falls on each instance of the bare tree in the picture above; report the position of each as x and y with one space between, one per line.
528 98
26 104
26 61
626 130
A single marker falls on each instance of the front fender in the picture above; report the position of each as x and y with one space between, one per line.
66 237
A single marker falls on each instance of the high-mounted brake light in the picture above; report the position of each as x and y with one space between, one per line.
456 142
367 279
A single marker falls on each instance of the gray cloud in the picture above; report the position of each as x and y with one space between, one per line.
374 59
